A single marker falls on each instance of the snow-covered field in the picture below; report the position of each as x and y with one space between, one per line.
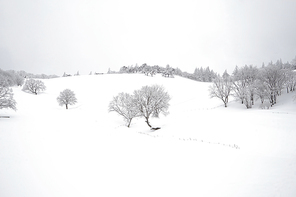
202 148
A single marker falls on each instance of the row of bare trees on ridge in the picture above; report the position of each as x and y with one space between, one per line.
250 83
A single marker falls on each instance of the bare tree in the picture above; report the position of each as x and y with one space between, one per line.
261 90
168 71
244 84
221 89
6 97
34 86
293 63
152 100
124 104
290 81
146 69
248 96
237 87
273 77
67 97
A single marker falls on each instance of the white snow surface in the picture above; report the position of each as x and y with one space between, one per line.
202 148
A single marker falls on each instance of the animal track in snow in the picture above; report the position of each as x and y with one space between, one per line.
192 139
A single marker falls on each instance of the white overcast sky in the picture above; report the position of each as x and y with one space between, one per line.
56 36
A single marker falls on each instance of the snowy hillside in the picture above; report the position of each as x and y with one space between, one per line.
202 148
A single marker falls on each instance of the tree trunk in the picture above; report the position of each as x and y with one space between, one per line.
129 122
148 122
273 99
66 106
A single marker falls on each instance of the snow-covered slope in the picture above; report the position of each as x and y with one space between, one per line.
202 148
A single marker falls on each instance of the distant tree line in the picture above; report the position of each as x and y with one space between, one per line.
250 83
149 70
199 74
36 76
78 74
69 75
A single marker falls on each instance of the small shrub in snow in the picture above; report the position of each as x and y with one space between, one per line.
67 97
34 86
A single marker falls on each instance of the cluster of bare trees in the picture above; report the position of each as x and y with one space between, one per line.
66 97
12 78
6 93
146 102
249 83
17 78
